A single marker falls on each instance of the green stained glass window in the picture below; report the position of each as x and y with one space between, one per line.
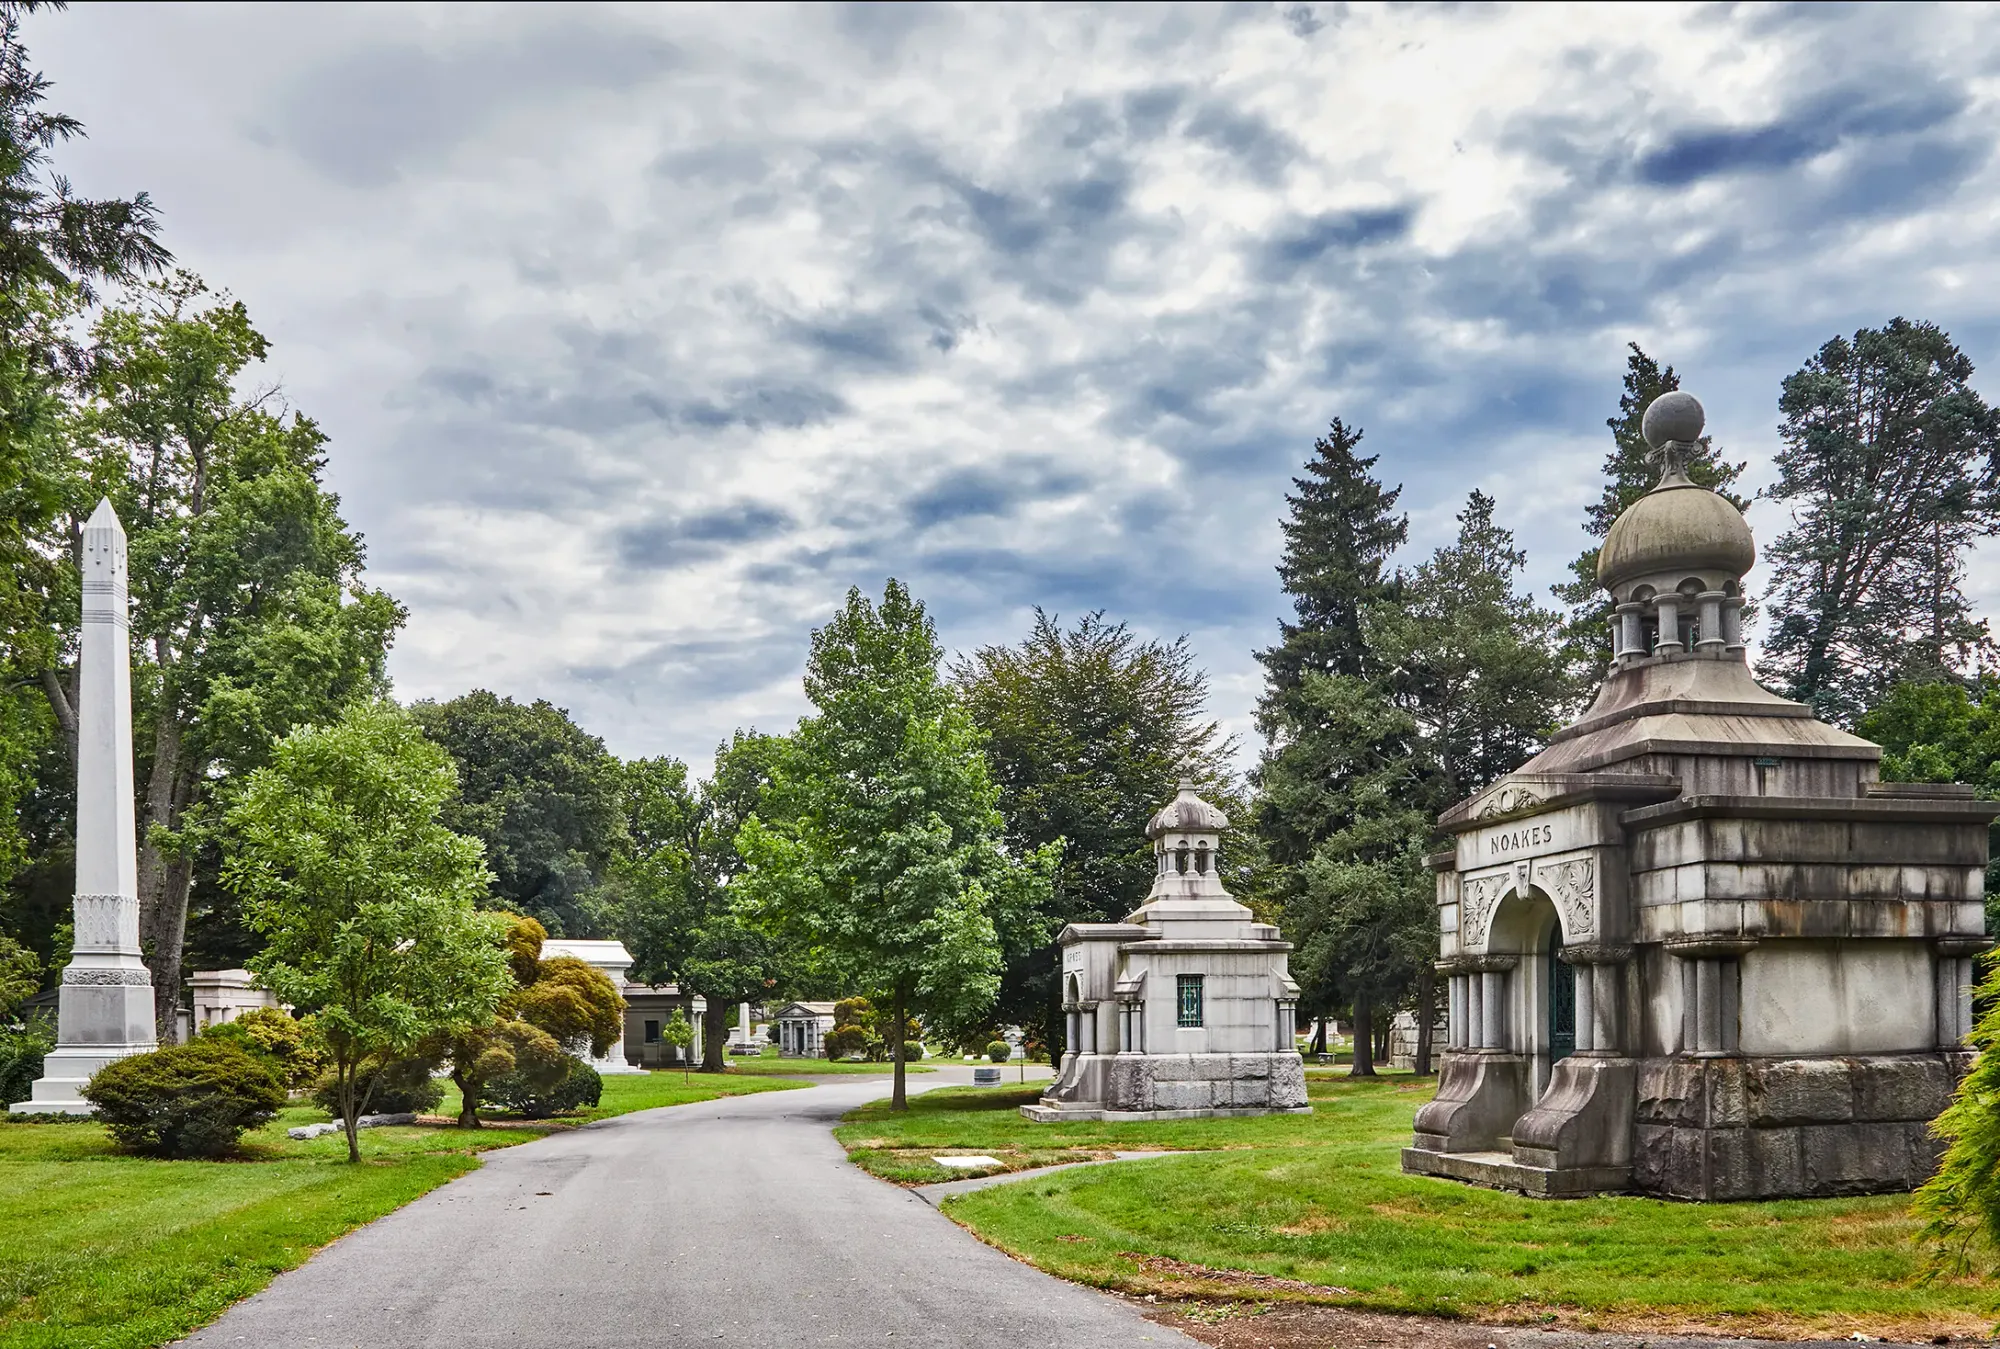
1190 1005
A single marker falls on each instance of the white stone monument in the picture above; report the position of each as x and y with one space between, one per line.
220 996
105 1008
612 960
1186 1009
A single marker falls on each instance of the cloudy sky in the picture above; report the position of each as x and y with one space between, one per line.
643 333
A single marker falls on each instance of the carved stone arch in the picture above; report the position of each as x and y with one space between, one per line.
1072 992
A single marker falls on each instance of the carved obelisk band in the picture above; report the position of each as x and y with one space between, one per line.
106 1007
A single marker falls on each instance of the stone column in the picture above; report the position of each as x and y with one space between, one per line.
1711 637
1670 623
1710 983
1732 623
1954 987
104 1010
1474 1034
1632 630
1598 993
1492 1027
1454 1037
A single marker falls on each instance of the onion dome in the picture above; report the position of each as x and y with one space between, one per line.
1679 530
1187 814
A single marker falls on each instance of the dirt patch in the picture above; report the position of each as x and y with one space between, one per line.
1311 1225
1181 1270
1291 1325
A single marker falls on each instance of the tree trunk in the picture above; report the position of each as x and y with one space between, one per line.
1364 1038
350 1113
164 880
1382 1024
1058 1036
64 708
468 1100
1426 1015
897 1099
714 1034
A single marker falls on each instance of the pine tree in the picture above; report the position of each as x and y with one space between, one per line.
1889 464
1338 538
1628 475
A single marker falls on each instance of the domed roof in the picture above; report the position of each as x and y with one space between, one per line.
1187 813
1676 527
1679 526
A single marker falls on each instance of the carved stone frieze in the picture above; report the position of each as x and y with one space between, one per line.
103 978
1506 801
1478 896
1573 883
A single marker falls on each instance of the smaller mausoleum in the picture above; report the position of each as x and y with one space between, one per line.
1187 1008
802 1028
613 961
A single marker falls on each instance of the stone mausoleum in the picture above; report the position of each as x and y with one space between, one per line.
1694 947
1184 1010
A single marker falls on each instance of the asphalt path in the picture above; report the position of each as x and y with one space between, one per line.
735 1223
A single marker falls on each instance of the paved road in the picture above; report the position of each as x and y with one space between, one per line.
736 1223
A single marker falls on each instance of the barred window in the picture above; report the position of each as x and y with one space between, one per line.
1190 1004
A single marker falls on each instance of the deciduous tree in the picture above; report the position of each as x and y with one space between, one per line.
884 855
542 794
365 900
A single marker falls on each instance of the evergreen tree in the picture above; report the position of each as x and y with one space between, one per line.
1889 465
1320 775
1628 475
1471 658
1088 731
884 856
1339 535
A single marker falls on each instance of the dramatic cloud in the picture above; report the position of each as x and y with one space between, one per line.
644 333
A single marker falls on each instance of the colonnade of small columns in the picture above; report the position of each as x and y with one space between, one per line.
1718 625
1477 989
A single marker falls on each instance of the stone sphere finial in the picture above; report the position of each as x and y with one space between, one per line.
1672 416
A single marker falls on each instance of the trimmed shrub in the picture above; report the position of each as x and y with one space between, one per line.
276 1036
846 1042
518 1093
912 1051
191 1100
998 1050
402 1086
22 1049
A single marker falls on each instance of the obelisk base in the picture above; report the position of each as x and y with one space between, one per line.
96 1024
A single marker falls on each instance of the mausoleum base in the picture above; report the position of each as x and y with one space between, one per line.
1180 1086
1760 1128
1501 1171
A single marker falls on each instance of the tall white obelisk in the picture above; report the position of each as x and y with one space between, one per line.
106 1007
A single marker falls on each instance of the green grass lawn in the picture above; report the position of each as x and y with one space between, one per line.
768 1064
1315 1208
102 1251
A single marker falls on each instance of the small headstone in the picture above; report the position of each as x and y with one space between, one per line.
967 1163
986 1077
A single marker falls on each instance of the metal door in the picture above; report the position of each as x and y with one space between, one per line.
1562 1000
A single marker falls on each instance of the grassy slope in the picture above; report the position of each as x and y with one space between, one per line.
1320 1201
101 1251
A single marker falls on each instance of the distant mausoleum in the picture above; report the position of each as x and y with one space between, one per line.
1694 947
1184 1010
